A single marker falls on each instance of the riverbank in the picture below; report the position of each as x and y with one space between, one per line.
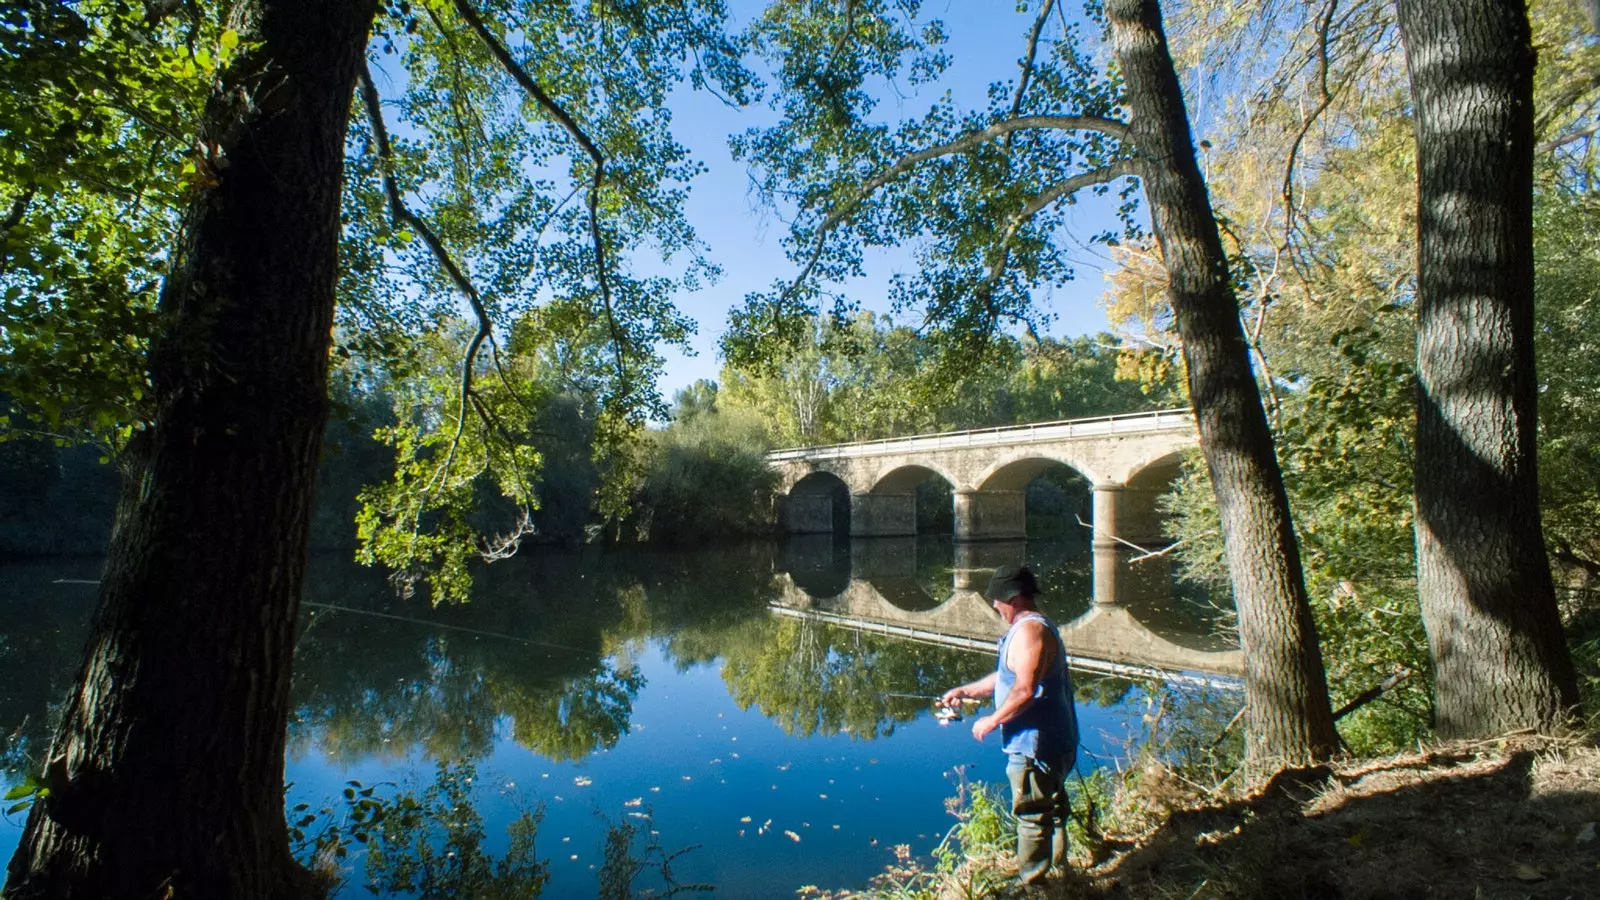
1512 818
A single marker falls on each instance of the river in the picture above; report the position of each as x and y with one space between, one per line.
737 712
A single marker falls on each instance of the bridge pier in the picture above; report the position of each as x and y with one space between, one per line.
976 562
883 515
808 514
991 515
1126 513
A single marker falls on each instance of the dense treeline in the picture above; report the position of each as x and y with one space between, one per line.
701 473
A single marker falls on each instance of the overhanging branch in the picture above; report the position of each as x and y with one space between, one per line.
592 150
403 215
1045 199
904 164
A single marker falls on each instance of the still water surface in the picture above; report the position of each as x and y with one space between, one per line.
731 703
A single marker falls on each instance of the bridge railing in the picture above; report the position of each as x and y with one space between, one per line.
1127 423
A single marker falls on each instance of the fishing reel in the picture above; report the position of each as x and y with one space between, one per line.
952 713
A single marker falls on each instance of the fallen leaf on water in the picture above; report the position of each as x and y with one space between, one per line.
655 790
823 796
793 837
637 801
745 819
583 781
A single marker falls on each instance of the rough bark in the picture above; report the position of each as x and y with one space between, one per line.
166 776
1290 720
1488 602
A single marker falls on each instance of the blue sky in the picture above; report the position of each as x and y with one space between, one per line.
986 39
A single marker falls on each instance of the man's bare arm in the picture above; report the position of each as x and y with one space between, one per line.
1027 656
982 689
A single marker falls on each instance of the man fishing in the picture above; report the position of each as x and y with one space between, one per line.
1033 710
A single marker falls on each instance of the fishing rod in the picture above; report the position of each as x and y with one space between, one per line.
924 696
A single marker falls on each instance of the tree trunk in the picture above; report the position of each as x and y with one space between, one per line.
166 777
1290 720
1483 579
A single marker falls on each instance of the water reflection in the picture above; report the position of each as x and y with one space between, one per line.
1116 610
739 691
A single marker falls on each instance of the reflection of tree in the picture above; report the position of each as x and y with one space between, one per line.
812 678
1101 690
580 716
378 676
545 642
432 846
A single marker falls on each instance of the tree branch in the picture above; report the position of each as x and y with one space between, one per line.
402 215
565 120
1027 60
1118 169
1305 128
904 164
844 38
1570 138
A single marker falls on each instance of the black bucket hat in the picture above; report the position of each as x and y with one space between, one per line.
1009 581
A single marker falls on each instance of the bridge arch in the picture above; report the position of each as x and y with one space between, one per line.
901 477
1160 472
816 503
1014 470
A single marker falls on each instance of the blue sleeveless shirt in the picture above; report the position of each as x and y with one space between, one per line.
1047 728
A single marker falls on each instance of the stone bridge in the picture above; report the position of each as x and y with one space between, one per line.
1128 460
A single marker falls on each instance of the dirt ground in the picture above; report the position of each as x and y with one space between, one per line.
1508 819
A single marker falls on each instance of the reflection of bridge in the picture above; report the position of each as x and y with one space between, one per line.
1121 636
1129 460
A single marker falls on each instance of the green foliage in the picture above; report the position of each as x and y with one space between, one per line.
97 156
870 378
1329 287
982 211
24 794
498 172
1567 293
706 478
521 168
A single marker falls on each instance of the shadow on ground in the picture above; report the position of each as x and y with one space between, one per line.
1486 821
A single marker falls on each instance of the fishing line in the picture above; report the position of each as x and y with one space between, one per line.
461 628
